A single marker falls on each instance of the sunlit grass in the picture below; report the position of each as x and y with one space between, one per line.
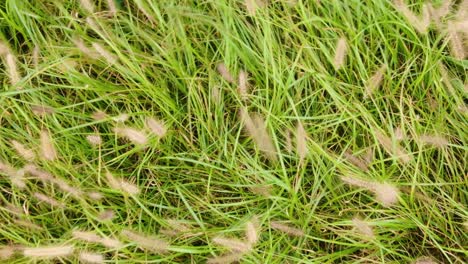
217 131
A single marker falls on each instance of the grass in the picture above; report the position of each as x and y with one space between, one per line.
206 180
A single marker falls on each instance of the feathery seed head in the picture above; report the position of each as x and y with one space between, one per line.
150 243
387 194
112 7
109 57
435 140
86 236
340 53
289 230
135 136
224 72
253 5
48 252
91 258
6 252
256 128
252 230
235 245
47 146
42 110
49 200
226 259
243 87
24 152
121 118
157 127
94 140
99 115
12 69
363 228
375 80
87 5
301 141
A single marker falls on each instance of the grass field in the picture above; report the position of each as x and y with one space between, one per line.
186 131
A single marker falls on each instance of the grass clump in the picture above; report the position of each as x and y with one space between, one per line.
250 131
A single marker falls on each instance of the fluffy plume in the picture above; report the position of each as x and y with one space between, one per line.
86 236
263 190
112 7
79 43
109 57
91 258
4 49
65 187
375 80
42 110
438 13
135 136
6 252
16 177
121 118
47 146
233 244
420 24
399 134
460 26
14 209
150 243
28 224
122 185
288 143
226 259
157 127
456 43
87 5
385 193
363 228
355 161
95 195
251 230
111 243
425 260
106 215
253 5
340 53
94 140
446 79
393 149
224 72
356 182
12 69
67 65
24 152
99 115
434 140
92 237
301 141
48 252
35 55
257 130
40 174
462 12
49 200
292 231
243 87
175 228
